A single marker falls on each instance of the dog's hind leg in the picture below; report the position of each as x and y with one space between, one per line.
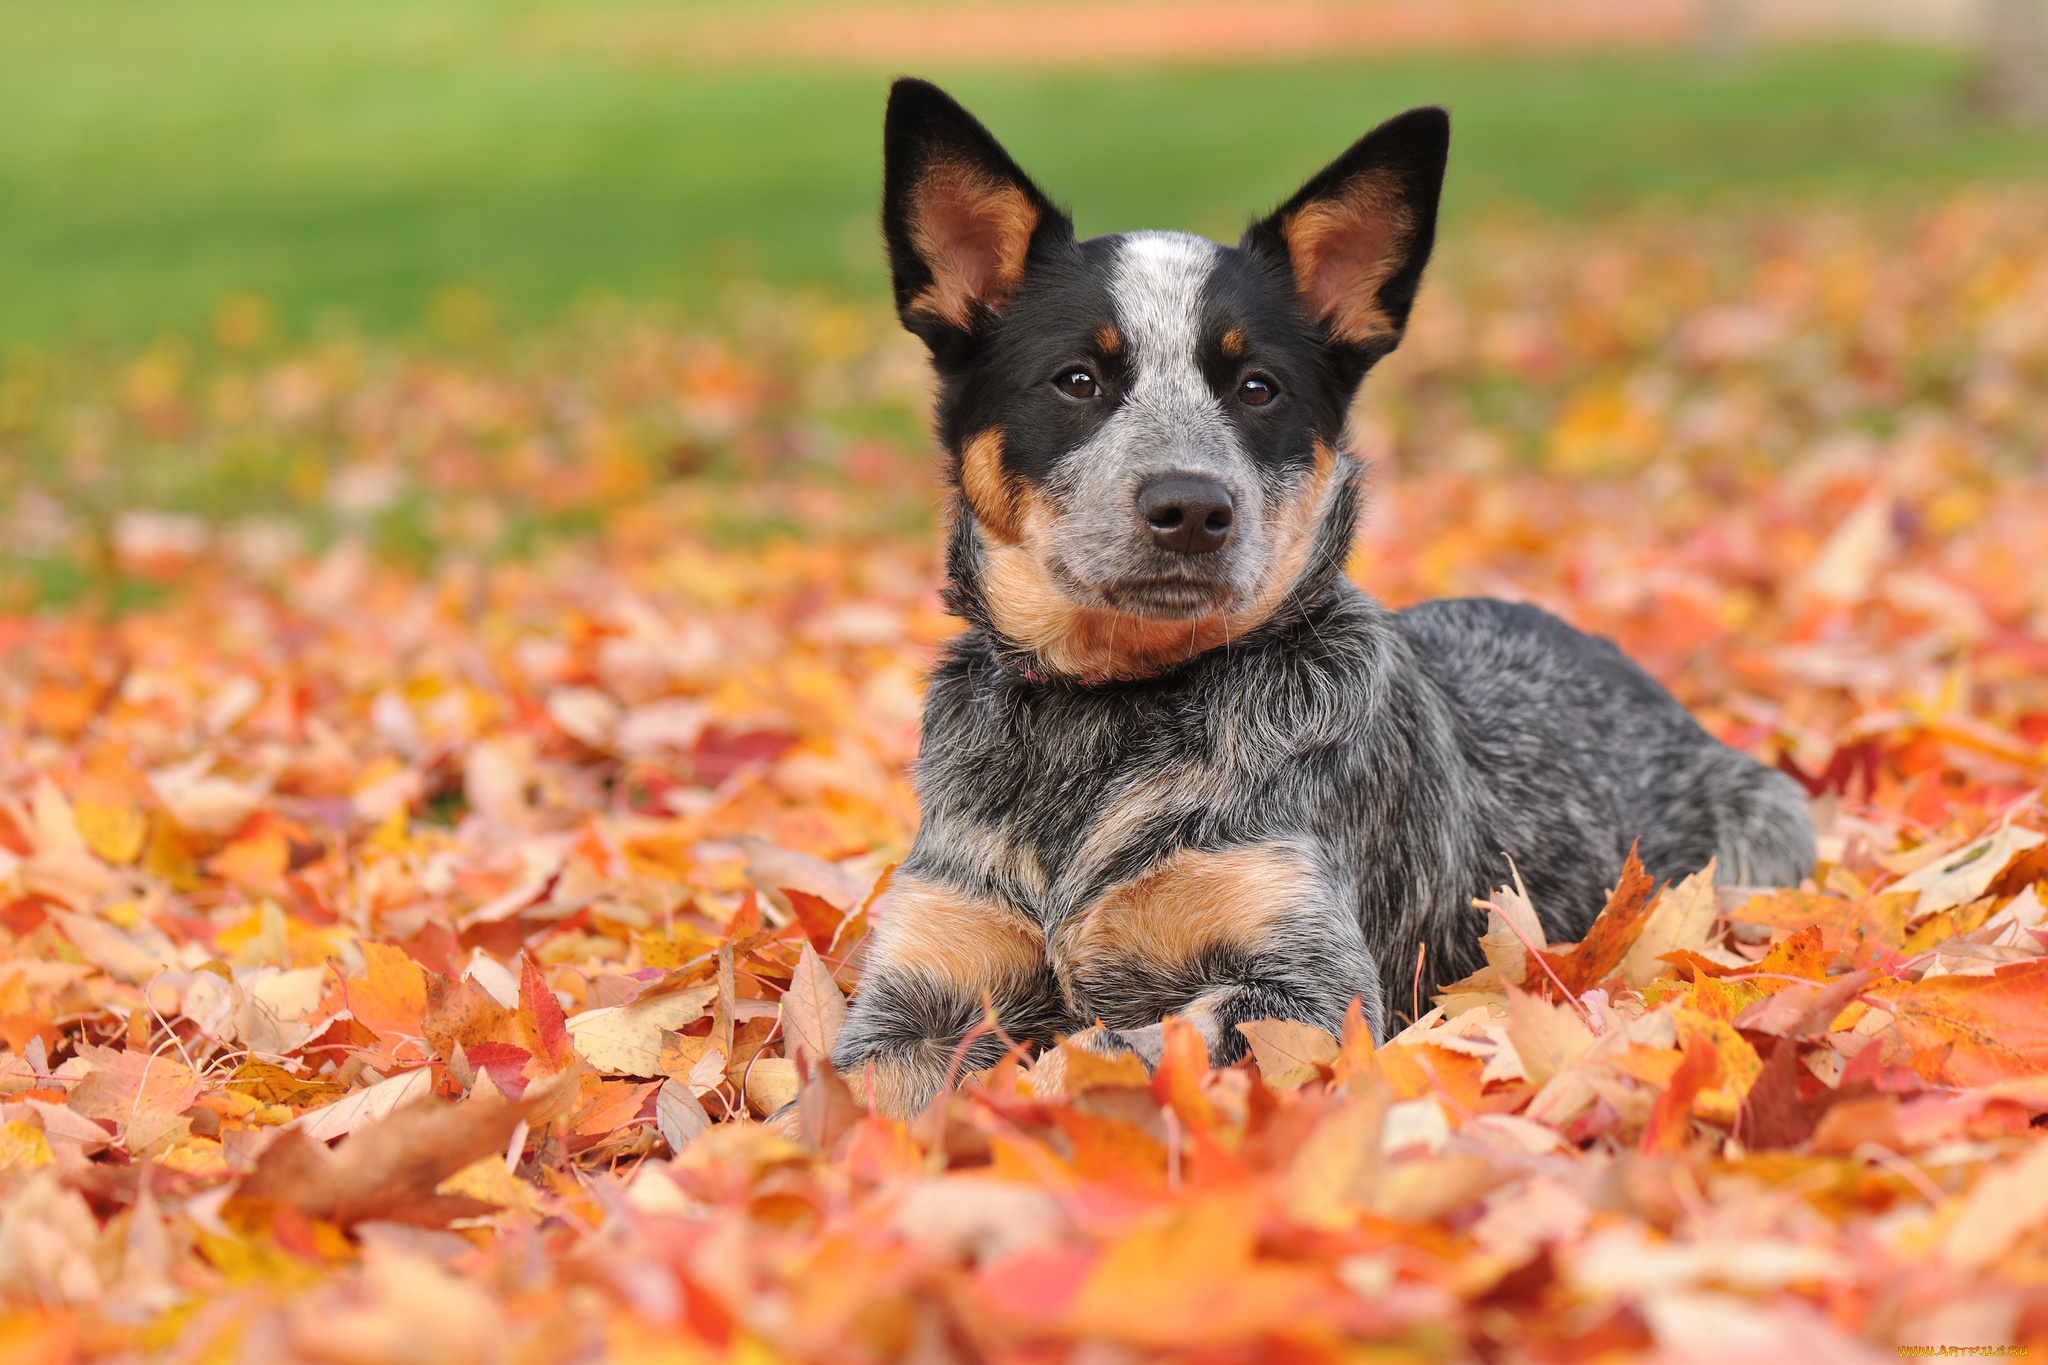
1720 804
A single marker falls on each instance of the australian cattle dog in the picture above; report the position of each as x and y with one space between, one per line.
1178 763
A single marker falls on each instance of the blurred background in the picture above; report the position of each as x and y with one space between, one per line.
349 163
458 271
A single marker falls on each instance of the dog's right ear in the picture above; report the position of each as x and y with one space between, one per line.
959 216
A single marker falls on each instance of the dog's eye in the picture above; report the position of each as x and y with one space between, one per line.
1078 384
1256 392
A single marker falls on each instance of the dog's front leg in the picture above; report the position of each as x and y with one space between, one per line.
1220 939
936 954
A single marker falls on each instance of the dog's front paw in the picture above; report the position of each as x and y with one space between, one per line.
1148 1044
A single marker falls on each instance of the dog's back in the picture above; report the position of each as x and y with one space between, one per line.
1582 754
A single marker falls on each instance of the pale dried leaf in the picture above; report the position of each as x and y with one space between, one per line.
121 954
678 1114
360 1108
625 1040
1511 925
1547 1038
813 1009
1960 877
1682 918
1287 1050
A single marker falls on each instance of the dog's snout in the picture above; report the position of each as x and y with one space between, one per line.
1186 515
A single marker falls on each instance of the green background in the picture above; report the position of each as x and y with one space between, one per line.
348 160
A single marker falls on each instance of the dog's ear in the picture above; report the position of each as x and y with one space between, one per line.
960 217
1356 236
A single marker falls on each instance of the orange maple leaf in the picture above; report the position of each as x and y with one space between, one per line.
1997 1026
1598 955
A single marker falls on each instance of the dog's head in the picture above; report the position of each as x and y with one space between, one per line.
1145 431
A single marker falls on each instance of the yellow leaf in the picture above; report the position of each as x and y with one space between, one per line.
626 1040
23 1144
771 1083
115 832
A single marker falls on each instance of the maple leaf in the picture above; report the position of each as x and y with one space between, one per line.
819 918
1995 1027
542 1016
122 1085
390 999
1613 933
1192 1276
679 1115
462 1013
1680 919
627 1040
389 1169
361 1108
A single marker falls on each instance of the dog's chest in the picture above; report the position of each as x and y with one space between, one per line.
1046 797
1056 801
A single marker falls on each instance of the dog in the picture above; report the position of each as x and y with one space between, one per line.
1178 763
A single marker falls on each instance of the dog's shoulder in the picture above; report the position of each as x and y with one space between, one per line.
1489 650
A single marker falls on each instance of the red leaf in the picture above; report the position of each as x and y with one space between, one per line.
551 1027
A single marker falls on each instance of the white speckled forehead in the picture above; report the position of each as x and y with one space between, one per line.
1157 292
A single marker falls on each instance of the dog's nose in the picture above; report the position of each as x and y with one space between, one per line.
1187 516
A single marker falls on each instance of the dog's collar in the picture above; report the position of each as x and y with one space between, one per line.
1082 680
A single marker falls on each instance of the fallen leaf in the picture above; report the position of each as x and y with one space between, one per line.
2005 1203
1511 930
1613 933
625 1040
1681 918
389 1169
678 1114
1670 1128
1962 876
123 956
813 1010
1548 1038
360 1108
772 1083
696 1061
1288 1052
1996 1026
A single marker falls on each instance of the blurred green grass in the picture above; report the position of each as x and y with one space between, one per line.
348 161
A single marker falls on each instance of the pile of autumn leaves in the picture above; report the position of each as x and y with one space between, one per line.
438 965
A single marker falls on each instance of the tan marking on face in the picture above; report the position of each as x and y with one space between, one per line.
1109 340
1344 248
1233 343
1098 642
973 232
1191 904
991 493
957 940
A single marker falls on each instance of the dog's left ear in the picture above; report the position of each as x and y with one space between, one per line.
1357 235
